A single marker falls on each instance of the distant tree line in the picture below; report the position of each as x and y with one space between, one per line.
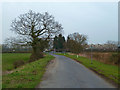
59 43
75 43
109 46
16 49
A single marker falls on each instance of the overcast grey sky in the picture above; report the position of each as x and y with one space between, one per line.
97 20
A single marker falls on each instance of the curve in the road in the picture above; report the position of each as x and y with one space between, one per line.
67 73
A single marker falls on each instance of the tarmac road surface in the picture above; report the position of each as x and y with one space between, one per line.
64 72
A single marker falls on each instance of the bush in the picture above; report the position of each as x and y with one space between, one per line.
36 56
18 63
96 56
105 57
114 58
118 58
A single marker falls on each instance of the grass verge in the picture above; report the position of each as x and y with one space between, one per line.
28 75
9 58
109 71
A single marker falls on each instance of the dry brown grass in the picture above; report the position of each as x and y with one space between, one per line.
105 57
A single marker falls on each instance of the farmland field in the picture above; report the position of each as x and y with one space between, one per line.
26 76
9 58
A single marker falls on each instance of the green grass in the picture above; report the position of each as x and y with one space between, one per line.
27 76
9 58
0 69
107 70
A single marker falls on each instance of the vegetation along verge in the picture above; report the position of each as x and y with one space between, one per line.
107 70
28 75
9 59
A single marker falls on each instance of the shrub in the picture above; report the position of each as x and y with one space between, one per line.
96 56
18 63
114 58
105 57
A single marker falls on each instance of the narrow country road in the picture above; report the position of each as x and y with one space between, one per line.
67 73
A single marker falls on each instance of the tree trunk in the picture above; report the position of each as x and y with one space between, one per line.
36 54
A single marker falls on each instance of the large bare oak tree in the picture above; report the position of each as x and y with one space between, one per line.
37 28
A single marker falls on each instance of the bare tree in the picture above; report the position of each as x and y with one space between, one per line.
37 28
76 42
111 45
13 44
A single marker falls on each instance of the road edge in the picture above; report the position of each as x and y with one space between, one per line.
51 62
99 74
